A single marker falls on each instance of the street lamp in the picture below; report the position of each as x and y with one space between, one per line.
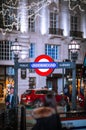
16 48
74 47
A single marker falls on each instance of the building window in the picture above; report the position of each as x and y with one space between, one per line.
53 19
52 51
74 23
32 50
5 51
75 26
31 21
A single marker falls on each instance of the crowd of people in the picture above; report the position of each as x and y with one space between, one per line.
46 116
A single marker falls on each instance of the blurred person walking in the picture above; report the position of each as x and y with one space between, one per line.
47 117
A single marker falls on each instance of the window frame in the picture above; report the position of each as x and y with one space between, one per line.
32 50
75 23
31 21
53 19
52 52
5 50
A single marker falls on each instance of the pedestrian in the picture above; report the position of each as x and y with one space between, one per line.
12 111
10 99
50 101
66 90
47 117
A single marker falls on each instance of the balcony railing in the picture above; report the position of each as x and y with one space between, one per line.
76 34
56 31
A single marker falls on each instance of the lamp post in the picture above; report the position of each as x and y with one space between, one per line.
16 48
74 47
63 80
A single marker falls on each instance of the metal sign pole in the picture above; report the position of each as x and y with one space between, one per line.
74 87
16 79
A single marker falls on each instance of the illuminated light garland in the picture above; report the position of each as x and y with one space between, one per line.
7 6
33 5
6 30
36 7
77 5
13 2
37 12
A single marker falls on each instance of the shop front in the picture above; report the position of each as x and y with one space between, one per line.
6 81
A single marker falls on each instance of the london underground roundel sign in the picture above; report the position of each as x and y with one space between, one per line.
45 66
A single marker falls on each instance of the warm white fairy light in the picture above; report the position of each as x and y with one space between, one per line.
11 1
36 10
76 5
36 7
12 5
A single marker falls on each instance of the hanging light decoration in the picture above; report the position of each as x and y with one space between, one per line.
10 9
73 4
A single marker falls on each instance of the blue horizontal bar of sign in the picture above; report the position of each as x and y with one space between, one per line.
43 65
46 65
23 65
65 64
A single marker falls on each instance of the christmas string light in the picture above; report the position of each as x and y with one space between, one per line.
32 6
9 8
13 2
76 5
35 6
36 12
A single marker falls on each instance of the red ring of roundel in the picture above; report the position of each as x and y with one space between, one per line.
49 71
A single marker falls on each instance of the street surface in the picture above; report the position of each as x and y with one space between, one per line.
30 121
